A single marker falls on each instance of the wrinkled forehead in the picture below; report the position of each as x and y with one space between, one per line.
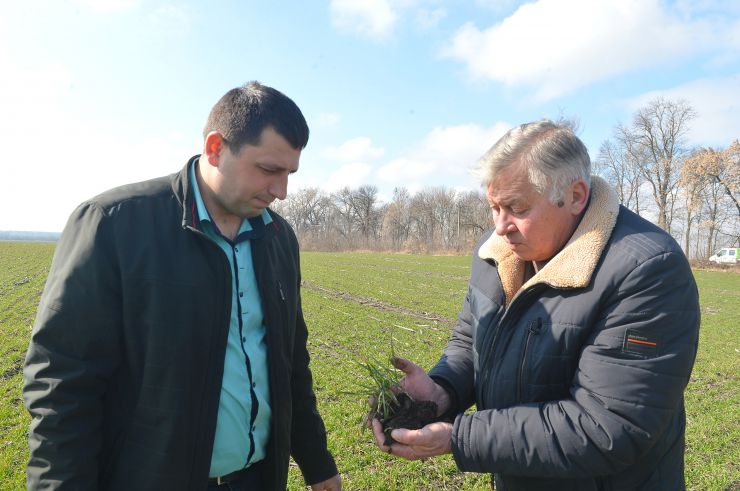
511 182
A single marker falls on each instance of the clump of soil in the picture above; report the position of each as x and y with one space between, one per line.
408 413
391 405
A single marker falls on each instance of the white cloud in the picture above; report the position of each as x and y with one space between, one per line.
444 157
403 170
429 18
716 102
356 149
60 153
351 175
326 120
369 18
33 126
554 46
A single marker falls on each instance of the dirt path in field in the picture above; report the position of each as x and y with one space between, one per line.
377 304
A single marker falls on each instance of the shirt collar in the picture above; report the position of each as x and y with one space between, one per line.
252 228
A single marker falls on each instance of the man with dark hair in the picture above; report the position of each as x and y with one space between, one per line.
576 339
169 351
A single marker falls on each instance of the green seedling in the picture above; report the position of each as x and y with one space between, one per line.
381 386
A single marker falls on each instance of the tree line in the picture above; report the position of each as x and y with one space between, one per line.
692 193
433 220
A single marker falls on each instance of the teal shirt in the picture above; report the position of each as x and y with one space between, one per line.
241 436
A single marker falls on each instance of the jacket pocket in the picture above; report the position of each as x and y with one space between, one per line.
534 328
548 361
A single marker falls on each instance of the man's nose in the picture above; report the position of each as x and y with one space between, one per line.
279 187
502 223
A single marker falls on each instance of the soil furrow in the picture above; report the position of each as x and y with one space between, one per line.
377 304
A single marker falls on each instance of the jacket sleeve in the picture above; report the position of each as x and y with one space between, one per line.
620 403
308 437
71 355
455 370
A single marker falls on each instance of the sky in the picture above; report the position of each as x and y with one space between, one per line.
99 93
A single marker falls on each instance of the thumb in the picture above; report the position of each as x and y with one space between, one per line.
403 364
404 436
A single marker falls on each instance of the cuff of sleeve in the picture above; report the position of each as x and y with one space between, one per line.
320 473
454 408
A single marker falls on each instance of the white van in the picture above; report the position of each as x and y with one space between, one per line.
726 255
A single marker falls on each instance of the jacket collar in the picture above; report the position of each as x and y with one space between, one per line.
574 265
183 191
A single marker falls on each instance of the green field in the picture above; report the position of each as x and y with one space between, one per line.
361 304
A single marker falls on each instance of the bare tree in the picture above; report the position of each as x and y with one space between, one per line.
659 132
712 215
422 217
365 214
717 173
397 218
445 213
308 210
723 167
692 186
343 212
731 178
474 217
619 163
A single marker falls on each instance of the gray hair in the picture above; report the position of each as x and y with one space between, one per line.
553 156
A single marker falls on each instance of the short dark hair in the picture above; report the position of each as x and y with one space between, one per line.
244 112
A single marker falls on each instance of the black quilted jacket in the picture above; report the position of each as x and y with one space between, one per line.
578 375
123 373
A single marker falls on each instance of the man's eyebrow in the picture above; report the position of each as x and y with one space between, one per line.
276 167
506 200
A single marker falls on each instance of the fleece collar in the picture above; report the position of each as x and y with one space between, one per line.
573 266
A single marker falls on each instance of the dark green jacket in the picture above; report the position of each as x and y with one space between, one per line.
123 373
578 374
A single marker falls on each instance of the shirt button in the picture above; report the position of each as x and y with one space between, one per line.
254 428
241 294
254 384
244 340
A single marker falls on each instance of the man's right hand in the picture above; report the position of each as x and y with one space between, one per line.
420 386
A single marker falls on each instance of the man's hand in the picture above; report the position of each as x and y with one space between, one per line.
419 386
432 440
331 484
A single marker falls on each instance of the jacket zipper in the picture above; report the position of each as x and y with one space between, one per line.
486 372
534 328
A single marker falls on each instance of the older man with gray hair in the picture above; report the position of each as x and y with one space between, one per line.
576 339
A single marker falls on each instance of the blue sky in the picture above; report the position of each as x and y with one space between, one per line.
96 93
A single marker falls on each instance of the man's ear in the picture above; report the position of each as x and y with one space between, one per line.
577 196
214 147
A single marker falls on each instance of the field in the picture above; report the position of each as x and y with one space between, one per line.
361 304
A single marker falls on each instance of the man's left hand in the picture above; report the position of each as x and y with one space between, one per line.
331 484
432 440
